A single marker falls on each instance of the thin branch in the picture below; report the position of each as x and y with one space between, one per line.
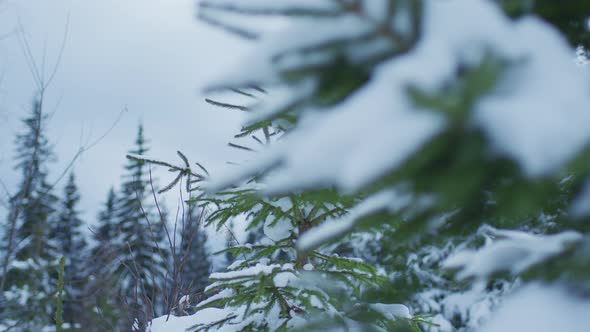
83 149
60 54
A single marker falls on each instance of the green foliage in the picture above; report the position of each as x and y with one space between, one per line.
271 285
29 260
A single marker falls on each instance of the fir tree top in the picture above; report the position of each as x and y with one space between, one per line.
107 228
33 150
66 231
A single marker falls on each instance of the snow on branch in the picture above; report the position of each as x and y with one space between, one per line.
526 116
509 251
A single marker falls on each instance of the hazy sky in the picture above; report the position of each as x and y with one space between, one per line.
149 57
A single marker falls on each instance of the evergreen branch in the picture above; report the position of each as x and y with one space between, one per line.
257 139
243 93
226 105
203 168
182 171
324 215
257 88
171 184
313 212
241 147
183 157
152 161
260 124
295 205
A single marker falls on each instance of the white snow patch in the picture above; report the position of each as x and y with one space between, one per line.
278 231
283 279
259 268
539 117
541 308
179 324
514 252
392 311
387 199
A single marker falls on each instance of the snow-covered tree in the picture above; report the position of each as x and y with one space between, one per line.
446 143
26 297
270 285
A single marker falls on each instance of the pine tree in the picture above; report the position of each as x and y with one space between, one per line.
69 242
264 289
35 198
29 262
107 227
142 252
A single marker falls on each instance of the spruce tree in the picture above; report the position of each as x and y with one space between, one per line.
37 203
29 262
107 227
142 252
69 242
265 288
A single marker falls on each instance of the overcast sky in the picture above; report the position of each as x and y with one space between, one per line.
149 57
